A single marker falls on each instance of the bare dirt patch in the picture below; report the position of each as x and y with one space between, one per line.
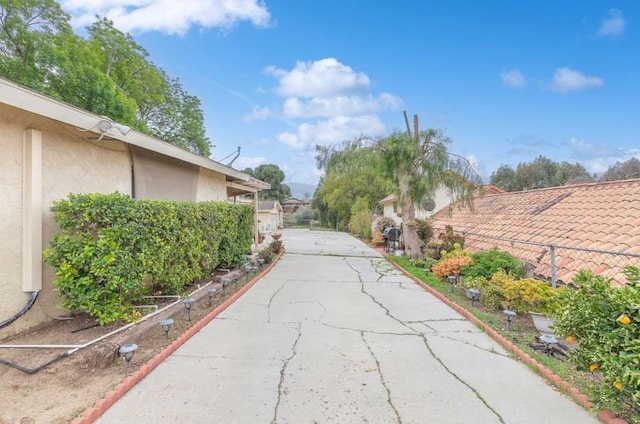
63 390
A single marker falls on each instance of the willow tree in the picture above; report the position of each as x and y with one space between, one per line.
419 163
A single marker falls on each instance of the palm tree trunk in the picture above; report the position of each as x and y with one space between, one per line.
409 229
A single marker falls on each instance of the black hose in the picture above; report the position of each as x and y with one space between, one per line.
32 300
34 370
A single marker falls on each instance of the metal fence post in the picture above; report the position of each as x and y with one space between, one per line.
552 255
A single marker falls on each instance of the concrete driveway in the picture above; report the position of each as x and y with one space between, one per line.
334 334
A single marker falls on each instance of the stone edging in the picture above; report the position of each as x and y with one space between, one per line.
605 416
99 408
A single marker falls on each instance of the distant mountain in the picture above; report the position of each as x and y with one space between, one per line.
301 191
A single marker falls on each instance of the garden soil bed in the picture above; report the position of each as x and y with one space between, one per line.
63 390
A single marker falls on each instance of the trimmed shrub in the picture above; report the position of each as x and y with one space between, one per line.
113 250
450 266
487 263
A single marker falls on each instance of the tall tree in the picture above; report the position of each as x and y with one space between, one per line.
626 170
540 173
272 174
28 32
343 185
419 163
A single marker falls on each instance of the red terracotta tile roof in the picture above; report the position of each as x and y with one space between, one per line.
597 216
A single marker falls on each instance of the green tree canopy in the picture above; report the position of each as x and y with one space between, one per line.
540 173
623 170
418 164
108 73
272 174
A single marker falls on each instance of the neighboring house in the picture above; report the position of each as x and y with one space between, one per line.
594 226
391 207
292 204
270 216
49 149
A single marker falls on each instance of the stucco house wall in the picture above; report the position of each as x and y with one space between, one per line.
270 216
391 207
48 150
70 164
211 186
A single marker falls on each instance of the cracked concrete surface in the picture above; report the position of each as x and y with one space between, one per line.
335 334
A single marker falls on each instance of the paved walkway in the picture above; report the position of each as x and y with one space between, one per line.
334 334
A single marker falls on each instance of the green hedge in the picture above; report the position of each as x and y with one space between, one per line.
113 250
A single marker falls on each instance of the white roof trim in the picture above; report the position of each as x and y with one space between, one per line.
26 99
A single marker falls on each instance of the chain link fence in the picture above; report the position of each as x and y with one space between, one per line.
557 264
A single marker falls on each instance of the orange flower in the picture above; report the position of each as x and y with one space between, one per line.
617 385
593 367
624 319
570 339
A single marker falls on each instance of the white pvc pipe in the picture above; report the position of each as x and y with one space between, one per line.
75 348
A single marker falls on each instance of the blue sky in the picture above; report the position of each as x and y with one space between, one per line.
505 80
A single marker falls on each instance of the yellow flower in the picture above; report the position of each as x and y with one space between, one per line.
617 385
593 367
624 319
570 339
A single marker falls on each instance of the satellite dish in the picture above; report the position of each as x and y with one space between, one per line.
429 205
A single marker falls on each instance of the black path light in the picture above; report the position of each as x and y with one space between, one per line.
549 342
473 295
166 324
211 291
225 282
188 303
127 351
510 316
452 281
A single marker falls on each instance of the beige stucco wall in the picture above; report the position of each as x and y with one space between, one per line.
269 221
211 186
442 199
70 164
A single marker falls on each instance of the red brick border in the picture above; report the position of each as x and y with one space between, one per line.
605 416
99 408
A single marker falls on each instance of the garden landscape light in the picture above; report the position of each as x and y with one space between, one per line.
188 302
211 291
510 316
166 324
452 281
127 351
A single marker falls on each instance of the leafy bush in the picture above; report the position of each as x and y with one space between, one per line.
449 239
361 217
450 266
519 295
604 321
270 252
487 263
113 250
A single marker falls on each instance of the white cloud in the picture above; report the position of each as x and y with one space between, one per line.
168 16
295 107
513 78
613 25
565 80
334 130
598 158
324 77
258 114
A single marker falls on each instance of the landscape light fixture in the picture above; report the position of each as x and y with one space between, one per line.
510 316
211 292
127 351
473 295
549 342
452 281
188 303
166 324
